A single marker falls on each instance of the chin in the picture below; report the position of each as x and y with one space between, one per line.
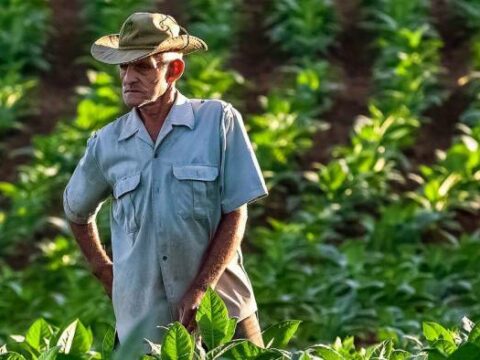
132 101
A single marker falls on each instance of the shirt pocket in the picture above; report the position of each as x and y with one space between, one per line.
194 189
124 205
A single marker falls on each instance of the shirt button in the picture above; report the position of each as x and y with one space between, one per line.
165 258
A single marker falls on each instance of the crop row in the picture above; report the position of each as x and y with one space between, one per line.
44 341
293 109
354 202
381 281
25 26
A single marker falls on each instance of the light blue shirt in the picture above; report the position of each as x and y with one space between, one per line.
168 200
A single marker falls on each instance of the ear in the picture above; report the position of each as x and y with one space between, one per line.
175 70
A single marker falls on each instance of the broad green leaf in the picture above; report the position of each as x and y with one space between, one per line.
108 343
177 343
75 339
444 346
400 355
434 331
36 334
218 352
50 354
434 354
327 353
212 319
467 351
230 331
279 335
301 355
244 349
7 188
474 336
12 356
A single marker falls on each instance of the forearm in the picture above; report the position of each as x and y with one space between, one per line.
222 248
88 239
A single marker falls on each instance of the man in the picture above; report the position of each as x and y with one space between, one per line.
181 173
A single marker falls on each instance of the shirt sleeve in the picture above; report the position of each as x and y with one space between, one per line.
87 188
241 177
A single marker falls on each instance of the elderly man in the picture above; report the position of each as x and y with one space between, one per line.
181 172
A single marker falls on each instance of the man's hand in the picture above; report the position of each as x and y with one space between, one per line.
104 273
219 253
187 308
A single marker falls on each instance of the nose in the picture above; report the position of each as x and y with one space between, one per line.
128 75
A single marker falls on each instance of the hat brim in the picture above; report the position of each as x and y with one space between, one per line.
106 49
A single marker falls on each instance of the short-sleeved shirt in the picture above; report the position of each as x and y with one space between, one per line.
168 200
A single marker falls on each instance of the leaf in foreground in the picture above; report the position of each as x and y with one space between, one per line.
177 343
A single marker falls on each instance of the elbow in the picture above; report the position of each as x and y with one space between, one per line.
73 214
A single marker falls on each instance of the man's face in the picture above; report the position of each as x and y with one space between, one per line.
143 81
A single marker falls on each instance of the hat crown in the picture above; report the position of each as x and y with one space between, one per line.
147 30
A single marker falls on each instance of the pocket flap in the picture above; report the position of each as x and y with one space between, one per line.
195 172
125 185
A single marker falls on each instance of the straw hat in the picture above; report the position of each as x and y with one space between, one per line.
144 34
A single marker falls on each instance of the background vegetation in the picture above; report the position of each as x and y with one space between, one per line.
364 116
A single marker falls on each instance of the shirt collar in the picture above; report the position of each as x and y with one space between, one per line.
181 113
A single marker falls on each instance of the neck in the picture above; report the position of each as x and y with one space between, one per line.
156 111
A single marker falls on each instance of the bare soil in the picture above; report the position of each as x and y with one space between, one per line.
353 57
438 131
254 56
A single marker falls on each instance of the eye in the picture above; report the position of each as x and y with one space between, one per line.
143 66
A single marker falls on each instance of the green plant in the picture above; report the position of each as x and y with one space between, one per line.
349 193
25 27
37 194
13 94
216 22
57 286
113 14
303 28
205 77
407 70
468 10
43 341
381 286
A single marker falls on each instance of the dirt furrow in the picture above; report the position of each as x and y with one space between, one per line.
437 133
352 55
54 98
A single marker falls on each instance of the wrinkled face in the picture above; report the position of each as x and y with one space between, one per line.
143 81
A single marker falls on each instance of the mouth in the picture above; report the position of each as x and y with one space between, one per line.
131 91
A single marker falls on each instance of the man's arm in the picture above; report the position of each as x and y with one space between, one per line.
218 255
100 263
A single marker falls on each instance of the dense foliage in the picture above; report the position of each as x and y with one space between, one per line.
368 244
25 28
212 339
